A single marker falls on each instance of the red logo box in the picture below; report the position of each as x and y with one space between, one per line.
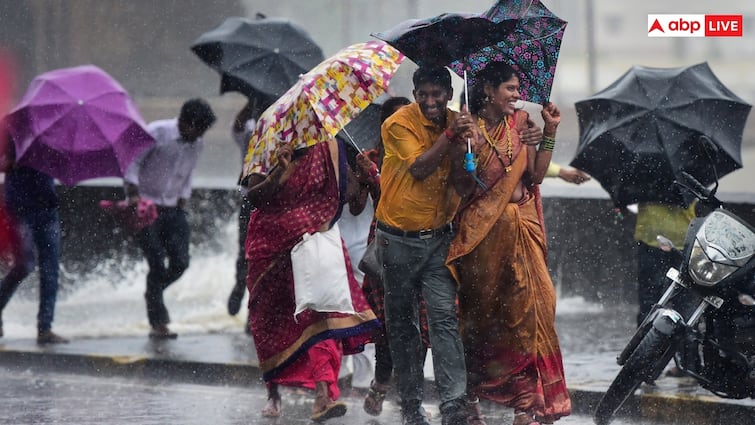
723 25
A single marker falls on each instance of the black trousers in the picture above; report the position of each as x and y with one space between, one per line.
245 210
166 239
652 265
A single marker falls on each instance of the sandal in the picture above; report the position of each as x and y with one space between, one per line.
474 413
373 401
524 418
335 409
273 408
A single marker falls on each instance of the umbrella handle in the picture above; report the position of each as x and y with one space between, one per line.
469 162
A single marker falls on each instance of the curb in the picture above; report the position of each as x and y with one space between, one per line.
668 408
662 407
133 367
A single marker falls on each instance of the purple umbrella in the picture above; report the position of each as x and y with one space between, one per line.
76 124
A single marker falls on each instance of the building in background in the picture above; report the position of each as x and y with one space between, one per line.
144 44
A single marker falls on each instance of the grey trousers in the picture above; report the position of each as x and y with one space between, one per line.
410 267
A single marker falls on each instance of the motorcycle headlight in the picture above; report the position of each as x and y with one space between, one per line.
703 270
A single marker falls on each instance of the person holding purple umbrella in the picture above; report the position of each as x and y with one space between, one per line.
32 201
162 174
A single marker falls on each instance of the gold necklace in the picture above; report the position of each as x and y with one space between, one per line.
501 129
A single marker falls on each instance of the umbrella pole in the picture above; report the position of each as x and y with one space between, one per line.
351 139
469 164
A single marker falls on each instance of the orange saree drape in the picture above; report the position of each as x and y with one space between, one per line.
506 296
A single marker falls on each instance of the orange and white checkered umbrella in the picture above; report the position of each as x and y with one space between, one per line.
322 102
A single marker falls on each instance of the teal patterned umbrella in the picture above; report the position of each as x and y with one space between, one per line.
523 33
531 47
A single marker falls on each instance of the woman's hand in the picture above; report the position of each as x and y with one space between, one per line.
284 154
552 118
367 170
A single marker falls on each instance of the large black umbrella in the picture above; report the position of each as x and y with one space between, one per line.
265 55
638 134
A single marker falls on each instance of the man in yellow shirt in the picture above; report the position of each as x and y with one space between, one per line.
414 230
653 219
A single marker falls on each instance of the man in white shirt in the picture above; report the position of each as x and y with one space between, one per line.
162 174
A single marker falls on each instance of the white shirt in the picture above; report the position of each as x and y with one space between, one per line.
355 229
163 172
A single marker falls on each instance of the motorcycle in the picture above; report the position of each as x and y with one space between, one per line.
705 320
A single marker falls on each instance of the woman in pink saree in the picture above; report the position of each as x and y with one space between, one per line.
303 194
506 297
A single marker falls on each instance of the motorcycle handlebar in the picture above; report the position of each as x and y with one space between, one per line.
701 192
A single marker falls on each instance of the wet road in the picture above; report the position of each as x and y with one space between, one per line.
39 397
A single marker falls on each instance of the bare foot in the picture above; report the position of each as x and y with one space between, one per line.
273 407
524 418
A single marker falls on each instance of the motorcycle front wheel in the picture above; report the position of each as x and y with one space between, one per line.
651 355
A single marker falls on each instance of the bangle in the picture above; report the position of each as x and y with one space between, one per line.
548 144
450 135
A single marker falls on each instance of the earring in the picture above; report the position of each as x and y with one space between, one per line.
487 99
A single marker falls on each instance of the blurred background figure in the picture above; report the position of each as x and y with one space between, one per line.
32 205
241 132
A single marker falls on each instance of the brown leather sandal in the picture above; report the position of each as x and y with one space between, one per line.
373 401
334 409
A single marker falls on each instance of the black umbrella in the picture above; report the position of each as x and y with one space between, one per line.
638 134
262 56
364 130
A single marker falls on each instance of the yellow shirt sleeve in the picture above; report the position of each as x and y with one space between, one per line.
553 170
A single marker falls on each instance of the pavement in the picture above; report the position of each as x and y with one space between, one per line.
590 341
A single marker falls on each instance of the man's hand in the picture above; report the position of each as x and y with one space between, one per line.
573 175
132 193
532 135
462 126
181 204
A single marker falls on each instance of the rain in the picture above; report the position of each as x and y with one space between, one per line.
146 46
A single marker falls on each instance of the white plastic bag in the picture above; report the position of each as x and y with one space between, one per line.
321 282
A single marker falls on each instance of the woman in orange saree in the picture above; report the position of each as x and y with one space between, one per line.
506 296
303 194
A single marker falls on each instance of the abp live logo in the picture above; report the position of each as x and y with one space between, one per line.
675 25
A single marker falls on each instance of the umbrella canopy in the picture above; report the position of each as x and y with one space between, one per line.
322 102
524 34
263 56
638 134
364 130
531 48
77 123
